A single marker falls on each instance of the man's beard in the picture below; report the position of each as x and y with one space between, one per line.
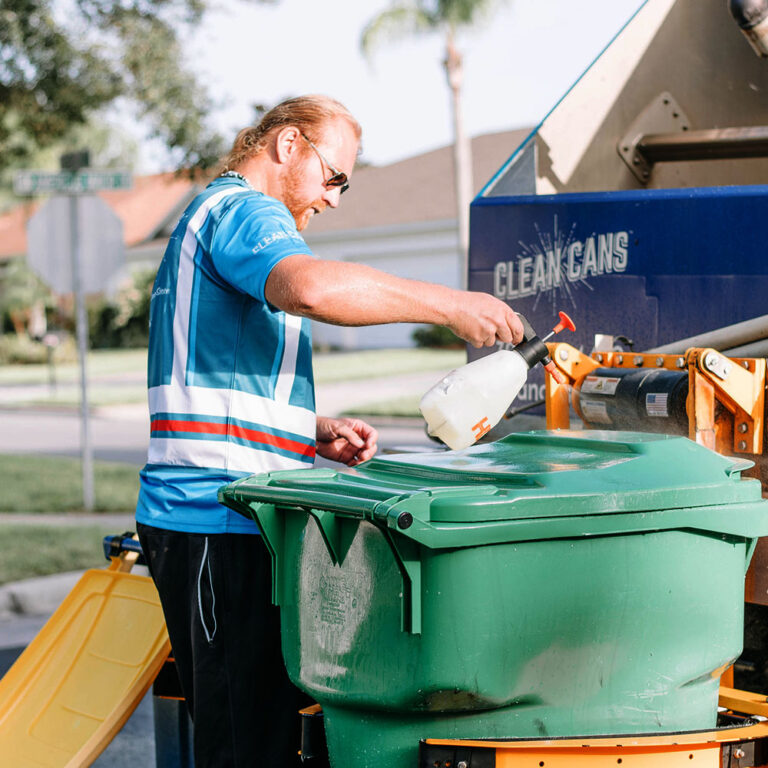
300 209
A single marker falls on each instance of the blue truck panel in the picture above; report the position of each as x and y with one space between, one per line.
652 265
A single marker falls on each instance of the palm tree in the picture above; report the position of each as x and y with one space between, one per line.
413 17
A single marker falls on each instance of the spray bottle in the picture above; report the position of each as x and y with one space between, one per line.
470 400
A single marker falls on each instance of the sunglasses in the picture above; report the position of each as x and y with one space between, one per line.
338 178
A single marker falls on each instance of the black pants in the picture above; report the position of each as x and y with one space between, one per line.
225 633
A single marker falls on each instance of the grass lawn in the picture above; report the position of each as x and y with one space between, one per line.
115 376
54 484
101 362
399 407
98 395
39 550
49 485
329 366
376 363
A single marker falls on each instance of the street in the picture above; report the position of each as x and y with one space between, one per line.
121 432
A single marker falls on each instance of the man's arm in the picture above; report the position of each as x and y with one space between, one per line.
343 293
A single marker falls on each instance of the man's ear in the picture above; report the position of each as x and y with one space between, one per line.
287 142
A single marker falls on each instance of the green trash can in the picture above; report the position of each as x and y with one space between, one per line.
549 584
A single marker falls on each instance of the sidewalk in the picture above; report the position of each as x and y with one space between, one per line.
37 598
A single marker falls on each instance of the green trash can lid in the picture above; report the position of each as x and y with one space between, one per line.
533 487
530 478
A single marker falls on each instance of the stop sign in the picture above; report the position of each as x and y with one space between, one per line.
98 234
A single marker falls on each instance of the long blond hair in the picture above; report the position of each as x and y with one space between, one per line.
308 113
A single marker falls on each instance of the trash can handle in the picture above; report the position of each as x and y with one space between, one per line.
270 517
305 498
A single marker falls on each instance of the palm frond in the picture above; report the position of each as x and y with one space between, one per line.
396 22
464 13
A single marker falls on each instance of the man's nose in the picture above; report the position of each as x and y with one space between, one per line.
332 196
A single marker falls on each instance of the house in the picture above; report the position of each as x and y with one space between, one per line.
398 217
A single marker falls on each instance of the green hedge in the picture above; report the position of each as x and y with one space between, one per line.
437 336
123 321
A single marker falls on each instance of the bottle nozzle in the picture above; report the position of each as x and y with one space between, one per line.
554 372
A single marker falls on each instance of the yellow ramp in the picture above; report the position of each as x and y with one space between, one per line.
79 680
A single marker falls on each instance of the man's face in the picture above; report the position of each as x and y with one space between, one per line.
305 192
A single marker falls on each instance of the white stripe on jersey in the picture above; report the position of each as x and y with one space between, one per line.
205 401
285 379
211 453
185 280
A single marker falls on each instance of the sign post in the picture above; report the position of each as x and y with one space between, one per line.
81 326
44 230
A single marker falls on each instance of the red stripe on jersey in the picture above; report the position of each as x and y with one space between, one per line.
232 430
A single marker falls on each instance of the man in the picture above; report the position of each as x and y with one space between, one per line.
231 393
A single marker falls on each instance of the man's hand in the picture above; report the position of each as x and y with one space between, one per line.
482 319
348 441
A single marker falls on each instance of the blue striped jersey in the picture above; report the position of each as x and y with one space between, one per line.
230 381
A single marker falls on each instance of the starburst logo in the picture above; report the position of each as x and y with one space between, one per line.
557 264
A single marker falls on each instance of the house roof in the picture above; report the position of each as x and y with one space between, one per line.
150 205
419 188
13 229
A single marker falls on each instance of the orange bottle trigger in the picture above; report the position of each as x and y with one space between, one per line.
565 323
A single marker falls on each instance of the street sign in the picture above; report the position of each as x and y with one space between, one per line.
67 182
99 237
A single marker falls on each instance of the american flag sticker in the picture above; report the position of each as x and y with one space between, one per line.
656 404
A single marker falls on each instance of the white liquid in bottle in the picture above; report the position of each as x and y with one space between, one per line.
470 400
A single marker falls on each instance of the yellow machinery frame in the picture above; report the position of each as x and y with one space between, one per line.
743 746
725 406
735 384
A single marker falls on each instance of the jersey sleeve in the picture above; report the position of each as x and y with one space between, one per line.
254 234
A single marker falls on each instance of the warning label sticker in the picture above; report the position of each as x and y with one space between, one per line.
601 385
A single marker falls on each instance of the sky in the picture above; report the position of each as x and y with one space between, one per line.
517 63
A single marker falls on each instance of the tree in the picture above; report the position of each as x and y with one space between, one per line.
47 83
63 60
20 291
447 17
